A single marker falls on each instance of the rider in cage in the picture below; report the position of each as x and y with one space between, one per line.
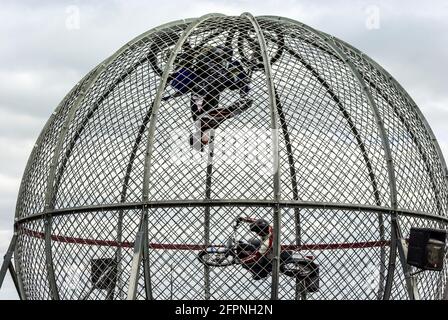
255 254
212 72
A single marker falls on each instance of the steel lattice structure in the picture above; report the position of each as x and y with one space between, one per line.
333 152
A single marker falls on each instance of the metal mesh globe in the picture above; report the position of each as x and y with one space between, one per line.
333 153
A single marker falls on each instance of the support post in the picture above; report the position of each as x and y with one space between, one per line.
7 259
146 269
49 259
15 280
118 255
8 265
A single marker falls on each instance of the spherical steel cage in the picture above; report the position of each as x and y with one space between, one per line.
332 152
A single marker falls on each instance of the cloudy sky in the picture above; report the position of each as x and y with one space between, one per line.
47 46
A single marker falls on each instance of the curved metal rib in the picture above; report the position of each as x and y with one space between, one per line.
389 163
133 155
396 232
49 194
51 183
150 142
359 141
275 151
395 110
295 191
357 136
23 184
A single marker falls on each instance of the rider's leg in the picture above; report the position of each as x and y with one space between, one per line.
233 110
214 118
261 268
245 249
201 104
196 104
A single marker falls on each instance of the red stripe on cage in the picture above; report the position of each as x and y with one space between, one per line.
177 246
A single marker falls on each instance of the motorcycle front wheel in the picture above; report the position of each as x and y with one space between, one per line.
216 257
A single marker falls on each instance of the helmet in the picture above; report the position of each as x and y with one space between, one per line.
260 227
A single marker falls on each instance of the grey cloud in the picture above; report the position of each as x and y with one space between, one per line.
35 92
41 60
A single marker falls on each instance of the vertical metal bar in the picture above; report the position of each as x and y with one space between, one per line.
275 153
156 106
386 147
300 290
118 255
208 191
146 270
276 259
49 259
135 266
382 270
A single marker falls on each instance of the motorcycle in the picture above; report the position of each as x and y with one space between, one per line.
303 269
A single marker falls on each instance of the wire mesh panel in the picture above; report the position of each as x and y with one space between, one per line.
231 158
340 241
31 250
